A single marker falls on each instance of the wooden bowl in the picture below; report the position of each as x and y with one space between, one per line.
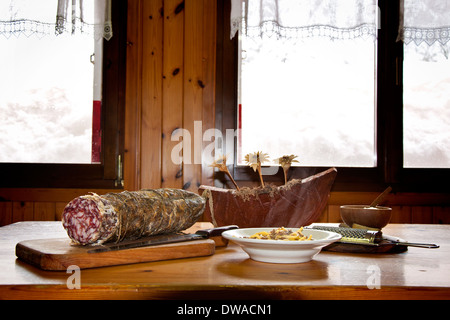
372 217
298 203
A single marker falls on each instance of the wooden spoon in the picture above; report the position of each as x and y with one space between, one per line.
381 197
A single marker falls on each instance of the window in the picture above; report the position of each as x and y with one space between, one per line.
284 109
47 114
381 147
64 124
426 113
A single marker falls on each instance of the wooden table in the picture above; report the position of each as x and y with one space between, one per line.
229 274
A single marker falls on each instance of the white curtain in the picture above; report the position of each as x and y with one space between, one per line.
336 19
90 16
44 17
425 21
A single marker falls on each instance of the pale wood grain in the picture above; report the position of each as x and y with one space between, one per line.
193 94
133 97
44 211
152 78
209 79
173 73
6 213
22 211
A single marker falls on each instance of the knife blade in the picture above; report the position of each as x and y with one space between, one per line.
162 239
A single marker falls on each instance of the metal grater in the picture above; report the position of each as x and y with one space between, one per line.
352 235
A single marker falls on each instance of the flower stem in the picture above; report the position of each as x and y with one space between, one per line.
260 175
232 180
285 170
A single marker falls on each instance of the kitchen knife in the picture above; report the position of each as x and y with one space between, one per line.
162 239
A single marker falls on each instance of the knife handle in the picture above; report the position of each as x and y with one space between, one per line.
215 232
418 245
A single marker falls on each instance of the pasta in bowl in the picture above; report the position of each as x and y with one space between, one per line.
282 234
266 245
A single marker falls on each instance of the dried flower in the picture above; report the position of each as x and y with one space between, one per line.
221 164
285 162
254 160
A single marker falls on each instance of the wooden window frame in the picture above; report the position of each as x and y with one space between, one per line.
103 175
389 140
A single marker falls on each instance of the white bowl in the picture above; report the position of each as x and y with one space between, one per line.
280 251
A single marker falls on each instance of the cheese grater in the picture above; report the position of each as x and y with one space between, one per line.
352 235
369 237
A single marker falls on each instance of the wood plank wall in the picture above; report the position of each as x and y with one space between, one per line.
406 207
48 204
170 85
25 204
170 92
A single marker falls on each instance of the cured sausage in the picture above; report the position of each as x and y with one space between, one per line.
94 219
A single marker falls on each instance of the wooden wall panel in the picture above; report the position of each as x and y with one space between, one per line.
170 92
421 215
401 214
5 213
48 204
324 216
209 83
193 98
441 214
152 93
59 208
133 97
172 114
15 211
334 214
44 211
23 211
30 204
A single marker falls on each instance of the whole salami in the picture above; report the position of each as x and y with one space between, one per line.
94 219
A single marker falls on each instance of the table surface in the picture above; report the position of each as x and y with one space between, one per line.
417 273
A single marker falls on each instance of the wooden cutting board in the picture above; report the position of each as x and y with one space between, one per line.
59 254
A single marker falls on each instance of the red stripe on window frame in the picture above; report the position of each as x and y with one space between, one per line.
96 131
239 133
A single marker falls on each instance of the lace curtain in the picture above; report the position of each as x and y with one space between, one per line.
45 17
421 21
336 19
424 22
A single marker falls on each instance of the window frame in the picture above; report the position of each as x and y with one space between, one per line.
389 114
103 175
